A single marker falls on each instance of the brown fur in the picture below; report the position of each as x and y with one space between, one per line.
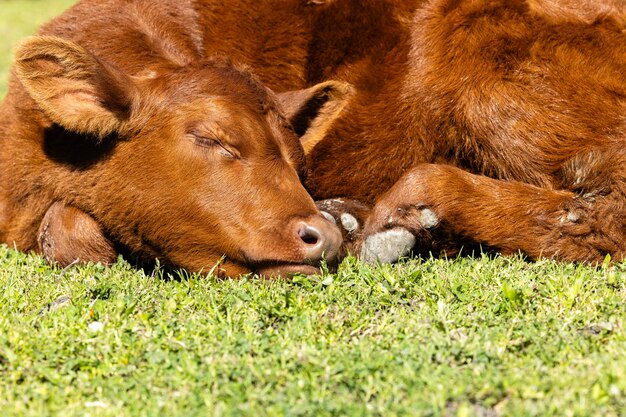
68 235
506 119
116 114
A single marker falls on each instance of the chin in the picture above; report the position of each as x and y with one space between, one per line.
286 270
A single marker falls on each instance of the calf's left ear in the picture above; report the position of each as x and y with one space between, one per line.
312 111
73 87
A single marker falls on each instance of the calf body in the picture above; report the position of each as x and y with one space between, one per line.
499 124
491 123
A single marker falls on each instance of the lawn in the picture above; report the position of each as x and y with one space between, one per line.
474 336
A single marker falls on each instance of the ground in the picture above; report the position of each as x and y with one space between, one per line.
473 336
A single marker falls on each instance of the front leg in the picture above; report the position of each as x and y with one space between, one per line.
68 235
349 215
446 208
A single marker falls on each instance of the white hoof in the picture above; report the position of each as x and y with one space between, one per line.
387 246
349 222
329 217
428 219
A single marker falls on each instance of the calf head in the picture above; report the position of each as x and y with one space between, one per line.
198 165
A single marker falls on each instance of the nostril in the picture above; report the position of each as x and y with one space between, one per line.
317 239
309 235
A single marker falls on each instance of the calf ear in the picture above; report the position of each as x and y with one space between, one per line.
73 87
313 110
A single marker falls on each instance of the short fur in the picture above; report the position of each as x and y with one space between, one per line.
504 119
120 112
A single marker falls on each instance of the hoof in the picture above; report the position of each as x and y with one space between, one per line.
387 246
428 219
349 222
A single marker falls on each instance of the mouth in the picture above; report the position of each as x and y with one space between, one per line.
285 270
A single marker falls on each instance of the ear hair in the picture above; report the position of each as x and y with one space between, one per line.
72 86
313 111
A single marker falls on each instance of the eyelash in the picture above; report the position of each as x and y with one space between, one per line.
211 143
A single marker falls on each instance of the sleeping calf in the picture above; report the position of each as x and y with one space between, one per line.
486 123
139 142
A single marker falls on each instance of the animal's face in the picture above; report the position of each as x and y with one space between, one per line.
202 162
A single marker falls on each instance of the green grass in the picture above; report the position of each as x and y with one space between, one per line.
468 337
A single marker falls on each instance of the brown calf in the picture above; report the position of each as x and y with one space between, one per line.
474 122
122 134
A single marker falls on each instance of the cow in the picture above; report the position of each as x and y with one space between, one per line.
122 132
469 123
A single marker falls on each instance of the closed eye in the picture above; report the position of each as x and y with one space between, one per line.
214 145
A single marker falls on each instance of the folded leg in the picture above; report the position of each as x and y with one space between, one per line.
68 235
349 215
446 208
